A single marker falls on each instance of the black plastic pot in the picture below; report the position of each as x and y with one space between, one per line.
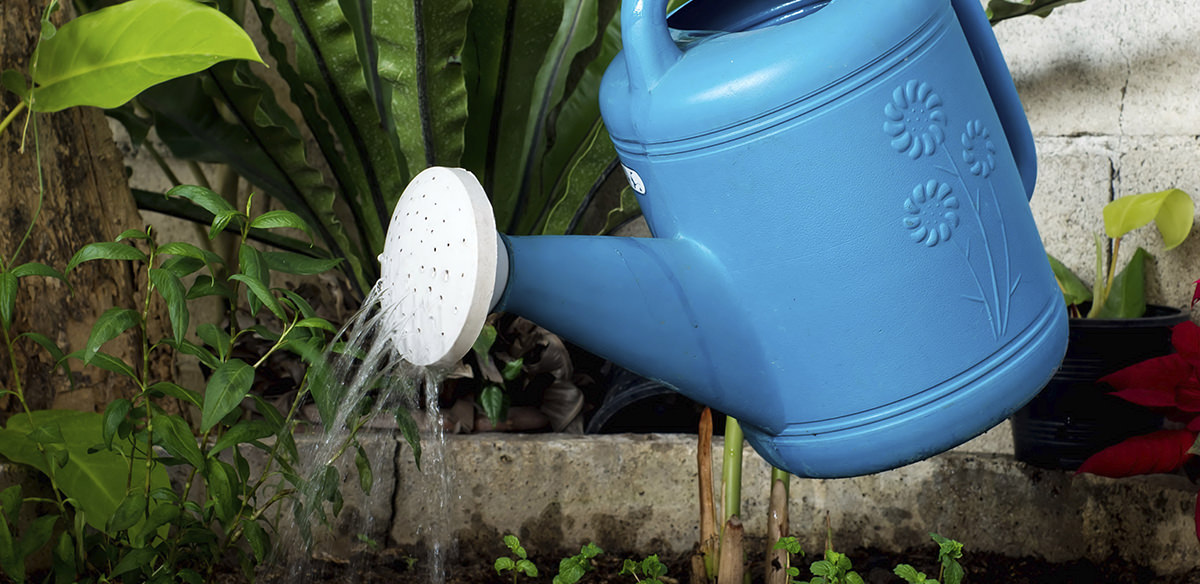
1073 417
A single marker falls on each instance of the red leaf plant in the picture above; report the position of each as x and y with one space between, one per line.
1169 385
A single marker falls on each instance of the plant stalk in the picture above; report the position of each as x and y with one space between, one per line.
731 469
708 520
11 116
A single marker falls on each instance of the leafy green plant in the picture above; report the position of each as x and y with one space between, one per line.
648 571
1122 294
573 569
494 397
790 545
119 514
518 562
949 570
387 89
1000 10
835 568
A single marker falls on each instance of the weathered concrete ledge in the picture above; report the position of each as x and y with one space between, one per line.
638 493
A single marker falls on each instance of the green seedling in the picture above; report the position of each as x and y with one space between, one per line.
518 563
792 547
834 569
949 552
650 570
912 576
572 569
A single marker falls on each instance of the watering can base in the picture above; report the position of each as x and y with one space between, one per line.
934 421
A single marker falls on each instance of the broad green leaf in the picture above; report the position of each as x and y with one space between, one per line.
96 480
294 263
483 343
135 559
181 266
240 433
15 82
512 369
105 58
626 210
202 197
220 489
10 502
909 574
160 515
114 415
173 433
327 56
366 478
494 403
998 10
428 115
1127 298
9 286
216 337
107 362
205 357
12 562
207 286
173 293
408 429
64 559
110 325
179 248
261 294
321 198
222 222
36 269
252 263
280 219
128 513
105 251
132 234
503 564
1171 210
526 567
586 173
298 302
227 387
1074 290
256 536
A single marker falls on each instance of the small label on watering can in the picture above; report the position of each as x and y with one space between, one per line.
635 180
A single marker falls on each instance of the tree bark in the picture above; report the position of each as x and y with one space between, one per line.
86 199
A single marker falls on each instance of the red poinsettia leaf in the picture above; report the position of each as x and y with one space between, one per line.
1185 337
1151 398
1194 424
1158 373
1161 451
1187 396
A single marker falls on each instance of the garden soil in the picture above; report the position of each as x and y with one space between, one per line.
396 567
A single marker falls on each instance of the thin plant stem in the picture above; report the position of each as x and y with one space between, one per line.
11 116
199 175
41 185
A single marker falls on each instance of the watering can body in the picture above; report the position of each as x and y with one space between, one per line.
843 257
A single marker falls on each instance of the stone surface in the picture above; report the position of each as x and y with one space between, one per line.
638 492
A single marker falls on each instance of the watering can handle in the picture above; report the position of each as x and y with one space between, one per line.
649 48
1000 85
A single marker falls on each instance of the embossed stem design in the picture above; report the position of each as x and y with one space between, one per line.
974 200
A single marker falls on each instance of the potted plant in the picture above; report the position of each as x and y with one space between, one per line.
1170 385
1111 327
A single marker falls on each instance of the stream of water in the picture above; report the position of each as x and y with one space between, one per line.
370 383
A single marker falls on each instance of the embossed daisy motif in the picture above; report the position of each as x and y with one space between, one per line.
978 150
915 119
932 213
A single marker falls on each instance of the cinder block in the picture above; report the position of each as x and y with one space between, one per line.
1074 184
1158 40
1069 69
1149 164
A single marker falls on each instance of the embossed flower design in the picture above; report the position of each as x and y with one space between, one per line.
978 150
915 119
932 213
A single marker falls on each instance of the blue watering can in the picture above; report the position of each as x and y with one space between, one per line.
843 257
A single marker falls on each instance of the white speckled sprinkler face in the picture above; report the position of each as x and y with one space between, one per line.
439 267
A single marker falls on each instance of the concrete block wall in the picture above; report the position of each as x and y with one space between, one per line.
1109 87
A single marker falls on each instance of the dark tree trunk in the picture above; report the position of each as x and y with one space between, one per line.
86 199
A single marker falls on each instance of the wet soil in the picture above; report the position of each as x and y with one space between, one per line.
397 567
